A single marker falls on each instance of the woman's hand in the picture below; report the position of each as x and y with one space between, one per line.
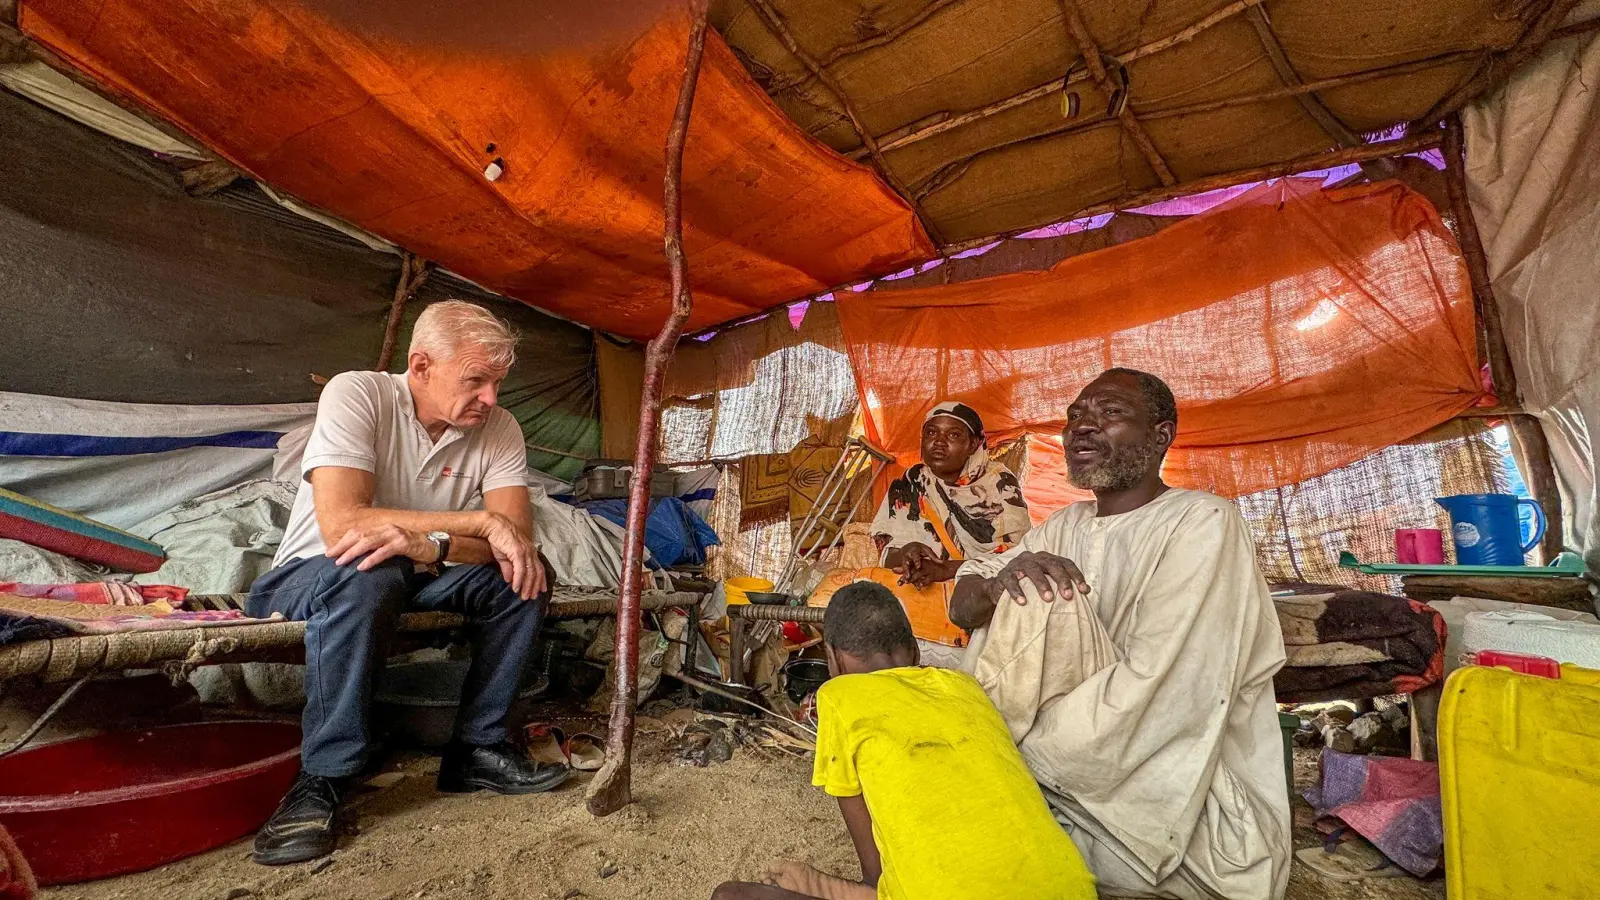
921 566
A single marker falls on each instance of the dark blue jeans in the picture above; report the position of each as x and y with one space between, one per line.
350 619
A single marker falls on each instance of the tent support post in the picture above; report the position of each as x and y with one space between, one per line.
1527 435
413 272
612 789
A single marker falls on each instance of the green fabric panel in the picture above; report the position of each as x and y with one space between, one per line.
553 390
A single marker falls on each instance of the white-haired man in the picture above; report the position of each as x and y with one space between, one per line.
392 469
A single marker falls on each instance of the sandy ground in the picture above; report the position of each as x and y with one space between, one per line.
689 829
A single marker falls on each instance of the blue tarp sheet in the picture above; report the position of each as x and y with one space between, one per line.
674 533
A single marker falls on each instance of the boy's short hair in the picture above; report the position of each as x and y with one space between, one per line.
864 618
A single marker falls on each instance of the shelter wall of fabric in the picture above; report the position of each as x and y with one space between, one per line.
1300 528
122 463
760 388
1533 178
388 120
620 371
117 285
1301 330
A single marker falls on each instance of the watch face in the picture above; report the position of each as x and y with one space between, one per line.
438 536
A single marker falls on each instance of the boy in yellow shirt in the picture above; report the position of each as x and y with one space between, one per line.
937 800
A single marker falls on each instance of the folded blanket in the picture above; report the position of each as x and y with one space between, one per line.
105 593
38 618
1354 644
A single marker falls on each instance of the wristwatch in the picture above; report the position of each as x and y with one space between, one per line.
441 540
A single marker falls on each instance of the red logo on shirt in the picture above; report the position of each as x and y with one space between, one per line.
448 472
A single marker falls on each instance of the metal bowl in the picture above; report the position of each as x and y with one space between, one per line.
771 598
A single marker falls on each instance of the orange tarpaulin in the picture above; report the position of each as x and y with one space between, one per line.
1301 330
392 129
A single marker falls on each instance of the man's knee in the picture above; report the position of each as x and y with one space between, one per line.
485 585
376 591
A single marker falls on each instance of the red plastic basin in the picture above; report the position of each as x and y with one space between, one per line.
130 801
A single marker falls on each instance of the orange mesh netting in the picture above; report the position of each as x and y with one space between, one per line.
385 114
1301 330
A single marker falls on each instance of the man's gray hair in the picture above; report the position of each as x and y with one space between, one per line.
445 328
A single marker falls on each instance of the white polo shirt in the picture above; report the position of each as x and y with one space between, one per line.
368 421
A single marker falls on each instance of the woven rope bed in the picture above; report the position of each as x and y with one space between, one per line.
68 658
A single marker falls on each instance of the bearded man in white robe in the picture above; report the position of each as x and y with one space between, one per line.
1130 643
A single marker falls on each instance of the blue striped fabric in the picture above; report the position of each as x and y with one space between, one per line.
22 443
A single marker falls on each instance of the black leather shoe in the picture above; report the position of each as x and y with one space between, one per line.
303 827
503 768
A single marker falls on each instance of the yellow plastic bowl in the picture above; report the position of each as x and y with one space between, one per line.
739 589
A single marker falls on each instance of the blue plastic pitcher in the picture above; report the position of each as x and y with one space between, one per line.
1486 529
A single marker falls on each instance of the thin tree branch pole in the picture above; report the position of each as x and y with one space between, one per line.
1543 29
775 25
1308 101
1414 143
413 272
1528 434
1079 33
897 139
1307 87
893 34
611 788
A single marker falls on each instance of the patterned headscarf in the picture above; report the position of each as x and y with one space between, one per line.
982 512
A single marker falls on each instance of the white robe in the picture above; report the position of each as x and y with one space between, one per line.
1146 711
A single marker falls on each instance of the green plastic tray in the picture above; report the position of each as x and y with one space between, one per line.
1567 565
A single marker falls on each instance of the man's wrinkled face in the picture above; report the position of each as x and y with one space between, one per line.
946 444
1111 443
463 388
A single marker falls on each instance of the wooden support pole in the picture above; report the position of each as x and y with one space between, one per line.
413 272
1078 32
1533 449
781 31
612 788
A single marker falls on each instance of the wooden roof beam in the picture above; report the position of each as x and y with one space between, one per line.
775 25
1414 143
878 40
1308 100
920 132
1079 33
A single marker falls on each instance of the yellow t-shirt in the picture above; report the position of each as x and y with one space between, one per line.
955 812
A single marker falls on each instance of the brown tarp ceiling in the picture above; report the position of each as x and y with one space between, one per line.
907 64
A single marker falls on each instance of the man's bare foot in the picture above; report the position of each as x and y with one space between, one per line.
803 879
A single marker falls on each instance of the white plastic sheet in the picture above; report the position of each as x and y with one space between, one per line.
122 463
1533 171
